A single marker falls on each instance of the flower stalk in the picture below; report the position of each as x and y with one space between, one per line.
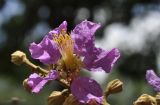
19 57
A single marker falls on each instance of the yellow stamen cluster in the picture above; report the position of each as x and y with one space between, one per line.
65 45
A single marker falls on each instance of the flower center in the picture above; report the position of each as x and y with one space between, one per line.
65 46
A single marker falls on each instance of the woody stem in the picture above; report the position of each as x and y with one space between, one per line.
34 67
39 69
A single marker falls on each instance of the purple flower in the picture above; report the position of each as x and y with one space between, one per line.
153 80
77 51
86 89
36 82
58 44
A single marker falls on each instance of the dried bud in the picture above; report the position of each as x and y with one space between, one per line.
57 97
158 98
18 57
114 86
70 100
26 86
145 100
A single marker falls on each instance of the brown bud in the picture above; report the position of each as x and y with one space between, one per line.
18 57
145 99
114 86
158 98
57 97
70 100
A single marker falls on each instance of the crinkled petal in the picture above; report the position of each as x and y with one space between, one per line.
36 82
52 75
100 60
58 30
153 80
83 36
86 89
46 51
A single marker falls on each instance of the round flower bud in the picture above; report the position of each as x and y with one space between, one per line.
145 99
158 98
114 86
70 100
18 57
57 98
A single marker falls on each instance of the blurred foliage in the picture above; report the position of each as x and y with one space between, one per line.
2 3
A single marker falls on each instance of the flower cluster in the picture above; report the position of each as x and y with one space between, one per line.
66 54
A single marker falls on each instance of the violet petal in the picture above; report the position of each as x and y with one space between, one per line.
86 89
100 60
83 36
46 51
153 80
58 30
36 82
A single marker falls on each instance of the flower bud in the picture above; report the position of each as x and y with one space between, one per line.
71 100
57 97
158 98
114 86
18 57
145 99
